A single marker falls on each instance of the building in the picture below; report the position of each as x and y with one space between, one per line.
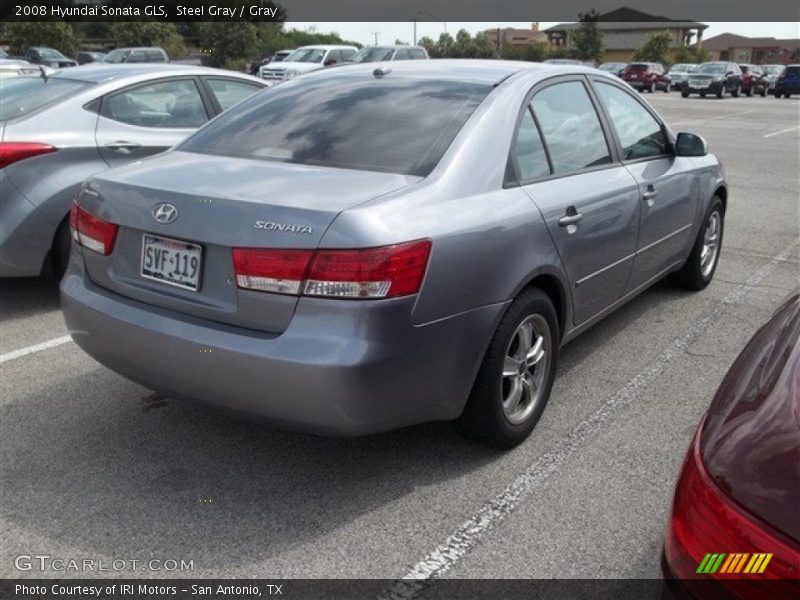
625 30
519 38
762 50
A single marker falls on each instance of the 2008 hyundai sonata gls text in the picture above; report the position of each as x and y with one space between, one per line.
366 248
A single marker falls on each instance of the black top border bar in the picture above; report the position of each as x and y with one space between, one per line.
398 10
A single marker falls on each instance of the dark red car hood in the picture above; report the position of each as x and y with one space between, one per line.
751 437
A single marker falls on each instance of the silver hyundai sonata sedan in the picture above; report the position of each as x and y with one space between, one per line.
59 129
374 246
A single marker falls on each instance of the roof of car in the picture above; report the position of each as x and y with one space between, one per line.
325 47
140 48
101 72
476 70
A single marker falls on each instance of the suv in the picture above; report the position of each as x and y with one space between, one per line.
646 77
771 73
137 55
679 73
49 58
753 80
718 78
306 59
788 82
387 53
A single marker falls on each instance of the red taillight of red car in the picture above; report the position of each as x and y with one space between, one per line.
11 152
92 232
705 521
384 272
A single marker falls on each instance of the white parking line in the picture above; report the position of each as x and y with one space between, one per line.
442 558
35 348
769 135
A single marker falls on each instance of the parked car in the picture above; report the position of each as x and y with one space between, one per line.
279 56
753 80
771 72
678 74
137 55
388 53
646 77
305 60
305 241
615 68
788 82
78 122
10 67
85 57
563 61
49 58
718 78
734 530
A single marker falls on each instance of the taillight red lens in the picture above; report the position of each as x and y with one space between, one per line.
11 152
705 521
384 272
267 270
92 232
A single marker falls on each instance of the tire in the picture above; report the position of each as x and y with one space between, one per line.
698 272
652 87
787 95
702 94
509 395
684 94
763 92
737 92
721 92
62 245
666 89
750 92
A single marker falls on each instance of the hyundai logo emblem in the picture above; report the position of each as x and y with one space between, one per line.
165 213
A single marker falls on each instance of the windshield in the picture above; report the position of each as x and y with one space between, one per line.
116 56
793 70
307 55
366 55
639 67
712 68
25 94
612 66
50 53
402 126
682 68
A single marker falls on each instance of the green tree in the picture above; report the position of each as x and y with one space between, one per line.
655 48
445 46
53 34
484 48
587 41
229 45
149 33
689 54
429 45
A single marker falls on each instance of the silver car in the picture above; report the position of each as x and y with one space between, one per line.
59 129
367 248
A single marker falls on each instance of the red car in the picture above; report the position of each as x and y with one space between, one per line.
734 531
753 80
646 77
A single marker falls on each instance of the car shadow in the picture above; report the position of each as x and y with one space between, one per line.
26 296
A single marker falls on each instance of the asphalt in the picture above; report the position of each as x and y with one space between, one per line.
95 467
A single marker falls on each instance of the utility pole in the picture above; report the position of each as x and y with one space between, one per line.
375 33
415 32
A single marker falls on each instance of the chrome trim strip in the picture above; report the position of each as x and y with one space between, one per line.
604 269
664 239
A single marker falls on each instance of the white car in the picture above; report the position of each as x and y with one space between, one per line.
305 60
10 67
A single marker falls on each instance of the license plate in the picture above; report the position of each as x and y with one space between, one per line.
171 261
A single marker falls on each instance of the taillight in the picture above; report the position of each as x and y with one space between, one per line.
92 232
11 152
710 537
384 272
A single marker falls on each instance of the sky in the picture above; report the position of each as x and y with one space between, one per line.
387 33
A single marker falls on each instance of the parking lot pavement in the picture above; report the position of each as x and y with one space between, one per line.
93 466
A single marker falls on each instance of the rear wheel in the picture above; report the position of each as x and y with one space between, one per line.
737 91
750 92
516 376
684 94
702 94
652 87
699 269
62 244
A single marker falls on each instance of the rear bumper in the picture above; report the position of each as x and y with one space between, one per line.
25 234
792 88
340 368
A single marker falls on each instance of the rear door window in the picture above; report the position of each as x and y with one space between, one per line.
229 92
529 158
353 121
571 127
176 103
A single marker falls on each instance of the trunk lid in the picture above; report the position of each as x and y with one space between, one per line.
221 203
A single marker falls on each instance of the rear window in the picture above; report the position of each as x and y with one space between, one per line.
791 71
390 125
23 95
639 67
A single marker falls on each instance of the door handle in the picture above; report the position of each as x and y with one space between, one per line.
123 147
570 219
649 194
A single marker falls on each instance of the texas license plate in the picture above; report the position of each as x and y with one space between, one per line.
171 261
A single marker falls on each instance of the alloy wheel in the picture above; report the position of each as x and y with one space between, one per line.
708 255
525 368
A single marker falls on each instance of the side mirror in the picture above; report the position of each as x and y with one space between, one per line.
689 144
